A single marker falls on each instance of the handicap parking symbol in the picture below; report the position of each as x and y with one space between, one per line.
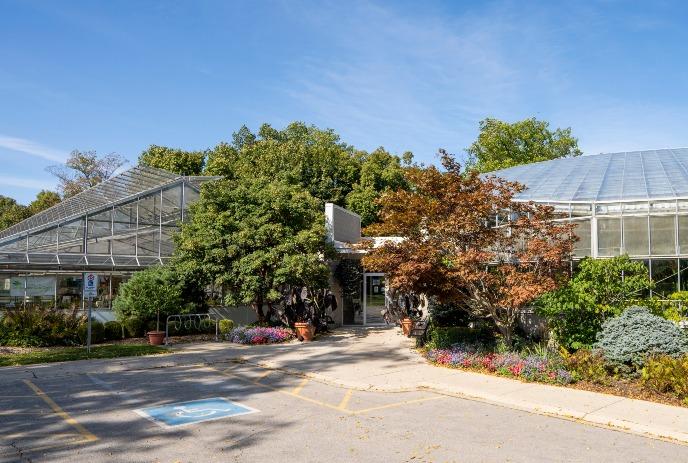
194 411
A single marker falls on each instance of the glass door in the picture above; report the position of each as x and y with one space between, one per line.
373 298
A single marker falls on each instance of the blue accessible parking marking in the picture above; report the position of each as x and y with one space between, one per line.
194 411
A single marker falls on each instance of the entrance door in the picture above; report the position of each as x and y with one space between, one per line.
373 298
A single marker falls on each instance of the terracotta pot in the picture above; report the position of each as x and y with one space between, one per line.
406 326
304 331
156 338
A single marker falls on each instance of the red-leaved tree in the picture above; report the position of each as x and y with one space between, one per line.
466 241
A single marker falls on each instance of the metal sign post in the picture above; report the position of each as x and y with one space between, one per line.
90 291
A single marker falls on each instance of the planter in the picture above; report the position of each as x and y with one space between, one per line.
304 331
156 338
406 326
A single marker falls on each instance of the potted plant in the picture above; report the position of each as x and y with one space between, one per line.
305 330
406 325
157 337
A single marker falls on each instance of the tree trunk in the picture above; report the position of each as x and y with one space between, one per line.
258 307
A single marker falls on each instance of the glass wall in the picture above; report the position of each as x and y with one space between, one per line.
60 290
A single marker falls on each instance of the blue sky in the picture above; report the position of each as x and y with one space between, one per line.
117 76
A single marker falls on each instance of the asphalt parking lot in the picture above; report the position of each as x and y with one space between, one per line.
98 417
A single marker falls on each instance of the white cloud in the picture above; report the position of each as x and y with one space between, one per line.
32 148
27 183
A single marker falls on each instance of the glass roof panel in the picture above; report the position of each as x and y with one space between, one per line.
636 175
134 181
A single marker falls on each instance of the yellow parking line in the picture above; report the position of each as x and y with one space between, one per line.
298 388
396 404
342 407
282 391
87 435
263 375
345 400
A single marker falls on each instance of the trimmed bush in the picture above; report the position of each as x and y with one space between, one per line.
667 374
226 326
97 332
444 337
113 331
629 338
448 315
149 291
134 327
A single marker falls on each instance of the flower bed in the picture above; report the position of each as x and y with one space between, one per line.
527 367
260 335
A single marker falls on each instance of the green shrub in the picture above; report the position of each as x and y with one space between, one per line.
113 331
226 326
587 365
667 374
208 326
448 315
97 332
601 288
146 292
443 337
35 326
134 327
629 338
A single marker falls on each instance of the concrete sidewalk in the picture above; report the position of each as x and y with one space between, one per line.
383 360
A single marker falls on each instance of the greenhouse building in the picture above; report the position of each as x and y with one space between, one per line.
121 225
633 203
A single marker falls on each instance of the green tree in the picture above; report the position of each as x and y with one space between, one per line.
380 172
173 160
44 200
252 237
85 169
11 212
501 144
303 155
150 294
601 288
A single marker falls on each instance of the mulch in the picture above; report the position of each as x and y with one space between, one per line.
631 389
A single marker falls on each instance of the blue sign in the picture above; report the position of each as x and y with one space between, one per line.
195 411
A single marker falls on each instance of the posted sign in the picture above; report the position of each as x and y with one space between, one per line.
90 285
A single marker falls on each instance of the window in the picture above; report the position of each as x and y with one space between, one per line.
662 234
582 231
608 237
636 237
665 276
683 234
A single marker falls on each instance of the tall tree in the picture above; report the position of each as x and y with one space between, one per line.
380 171
303 155
85 169
502 144
253 236
174 160
11 212
455 249
44 200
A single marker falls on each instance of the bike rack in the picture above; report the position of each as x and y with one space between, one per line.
188 321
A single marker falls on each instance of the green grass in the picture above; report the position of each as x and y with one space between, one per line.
79 353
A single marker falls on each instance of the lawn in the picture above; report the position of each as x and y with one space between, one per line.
79 353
